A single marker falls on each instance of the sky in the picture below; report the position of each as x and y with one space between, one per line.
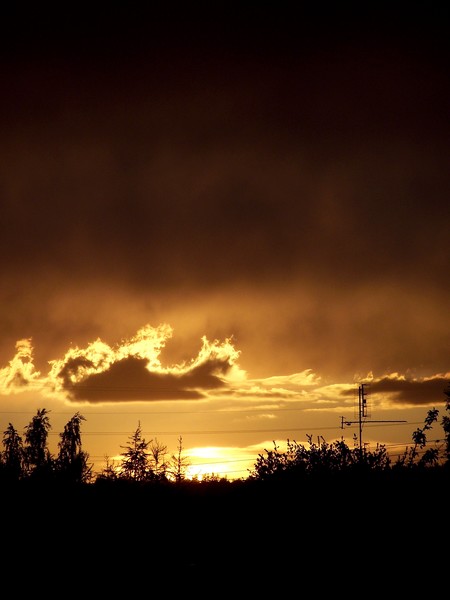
217 224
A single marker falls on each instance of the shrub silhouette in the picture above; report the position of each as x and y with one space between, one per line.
317 459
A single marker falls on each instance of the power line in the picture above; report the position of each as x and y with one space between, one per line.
237 431
205 432
158 412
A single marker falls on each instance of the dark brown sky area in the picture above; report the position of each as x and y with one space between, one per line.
281 177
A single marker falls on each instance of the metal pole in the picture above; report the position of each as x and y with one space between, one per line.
360 400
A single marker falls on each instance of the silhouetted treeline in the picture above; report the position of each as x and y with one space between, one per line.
28 459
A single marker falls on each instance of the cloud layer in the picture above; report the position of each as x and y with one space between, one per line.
131 371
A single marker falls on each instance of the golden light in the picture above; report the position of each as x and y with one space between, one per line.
217 462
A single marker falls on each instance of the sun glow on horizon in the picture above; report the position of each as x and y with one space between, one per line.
218 462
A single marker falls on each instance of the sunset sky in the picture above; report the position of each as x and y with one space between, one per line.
217 225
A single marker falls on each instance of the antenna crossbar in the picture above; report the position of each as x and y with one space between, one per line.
362 414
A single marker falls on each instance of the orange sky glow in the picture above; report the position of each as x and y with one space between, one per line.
223 417
218 228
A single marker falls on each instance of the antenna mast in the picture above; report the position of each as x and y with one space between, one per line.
362 414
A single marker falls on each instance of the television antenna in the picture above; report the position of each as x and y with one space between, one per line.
363 413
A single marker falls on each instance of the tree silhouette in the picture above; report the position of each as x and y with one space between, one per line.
157 462
445 422
135 462
110 472
431 456
38 459
72 462
178 463
13 454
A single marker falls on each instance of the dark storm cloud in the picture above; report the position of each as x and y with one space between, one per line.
72 366
155 154
407 392
425 392
123 197
129 380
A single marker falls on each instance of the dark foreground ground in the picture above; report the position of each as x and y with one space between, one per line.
303 538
